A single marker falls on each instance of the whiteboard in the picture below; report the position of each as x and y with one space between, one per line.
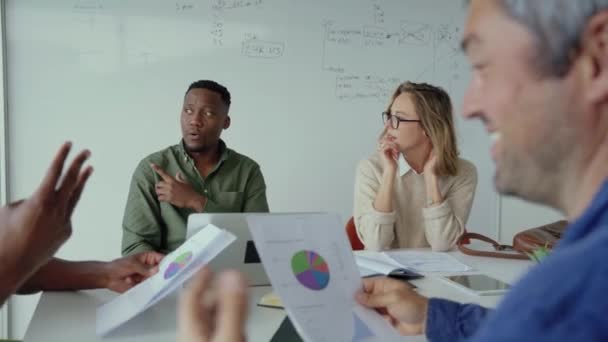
308 79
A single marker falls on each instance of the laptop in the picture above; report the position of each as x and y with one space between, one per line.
241 254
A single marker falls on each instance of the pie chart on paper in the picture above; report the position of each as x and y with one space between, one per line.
177 265
310 269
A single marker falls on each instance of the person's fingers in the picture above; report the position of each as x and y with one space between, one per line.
383 284
82 180
136 279
50 180
380 285
232 306
162 186
378 300
121 288
389 154
387 145
390 145
162 189
130 267
151 258
152 270
165 176
71 177
369 285
194 320
181 178
162 198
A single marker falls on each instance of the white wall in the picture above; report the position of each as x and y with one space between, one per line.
110 75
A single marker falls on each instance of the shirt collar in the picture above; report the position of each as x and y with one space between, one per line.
224 151
594 217
404 167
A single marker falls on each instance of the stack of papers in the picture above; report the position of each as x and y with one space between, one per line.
370 266
427 261
417 261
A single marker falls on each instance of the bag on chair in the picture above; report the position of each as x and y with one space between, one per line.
524 242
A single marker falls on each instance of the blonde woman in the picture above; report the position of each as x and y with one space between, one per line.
415 191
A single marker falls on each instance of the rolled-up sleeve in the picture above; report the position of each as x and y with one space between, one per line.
375 229
445 222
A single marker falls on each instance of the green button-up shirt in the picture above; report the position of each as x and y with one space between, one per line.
235 184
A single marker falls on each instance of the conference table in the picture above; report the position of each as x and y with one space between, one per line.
70 316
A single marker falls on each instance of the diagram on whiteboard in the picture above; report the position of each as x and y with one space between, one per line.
388 43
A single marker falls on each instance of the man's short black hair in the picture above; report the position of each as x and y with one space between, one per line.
214 87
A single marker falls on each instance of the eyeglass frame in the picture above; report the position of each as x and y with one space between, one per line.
399 120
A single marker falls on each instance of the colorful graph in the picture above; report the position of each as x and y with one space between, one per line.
310 269
362 331
177 264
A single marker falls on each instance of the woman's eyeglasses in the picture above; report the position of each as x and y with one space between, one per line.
395 120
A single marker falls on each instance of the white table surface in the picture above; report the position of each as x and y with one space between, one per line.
70 316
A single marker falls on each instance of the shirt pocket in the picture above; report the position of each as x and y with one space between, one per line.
229 201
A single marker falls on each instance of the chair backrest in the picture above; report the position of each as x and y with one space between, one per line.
351 231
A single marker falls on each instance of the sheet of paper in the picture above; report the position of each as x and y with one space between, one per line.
377 266
366 272
175 269
427 261
311 267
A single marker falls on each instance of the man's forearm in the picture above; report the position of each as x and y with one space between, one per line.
15 267
62 275
11 279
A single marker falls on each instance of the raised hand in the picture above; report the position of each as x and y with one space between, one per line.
31 230
389 153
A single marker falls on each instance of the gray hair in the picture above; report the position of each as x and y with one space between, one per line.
557 26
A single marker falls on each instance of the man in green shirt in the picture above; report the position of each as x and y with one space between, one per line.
200 174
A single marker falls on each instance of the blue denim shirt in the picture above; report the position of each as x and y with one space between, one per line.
565 298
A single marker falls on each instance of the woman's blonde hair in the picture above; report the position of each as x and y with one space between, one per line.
434 109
